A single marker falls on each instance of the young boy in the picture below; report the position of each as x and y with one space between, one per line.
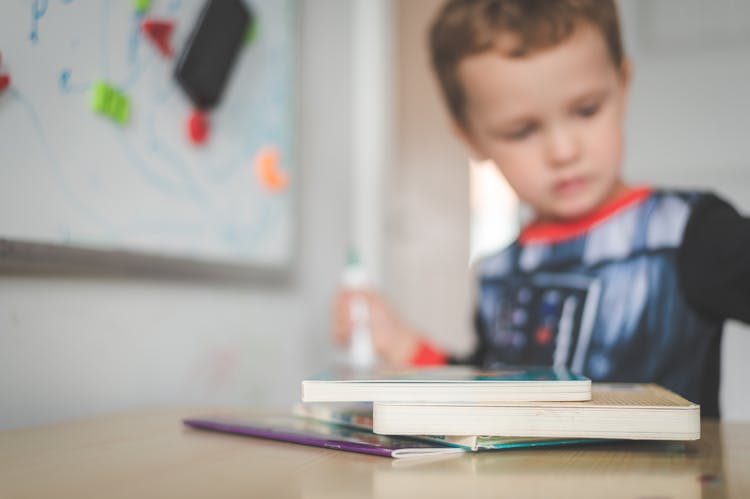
617 282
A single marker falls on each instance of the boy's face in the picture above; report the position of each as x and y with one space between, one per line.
551 121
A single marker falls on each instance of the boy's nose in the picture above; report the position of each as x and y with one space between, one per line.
562 146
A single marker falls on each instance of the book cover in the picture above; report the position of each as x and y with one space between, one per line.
306 431
446 384
616 411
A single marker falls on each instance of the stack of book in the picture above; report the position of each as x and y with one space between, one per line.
450 409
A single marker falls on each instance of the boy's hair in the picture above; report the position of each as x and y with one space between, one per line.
467 27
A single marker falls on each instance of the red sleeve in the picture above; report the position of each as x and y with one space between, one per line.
427 354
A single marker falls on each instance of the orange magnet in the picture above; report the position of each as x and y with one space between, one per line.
268 171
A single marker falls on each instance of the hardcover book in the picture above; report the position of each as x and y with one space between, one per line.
359 415
446 384
615 411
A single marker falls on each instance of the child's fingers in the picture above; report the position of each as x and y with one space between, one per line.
341 314
380 316
341 319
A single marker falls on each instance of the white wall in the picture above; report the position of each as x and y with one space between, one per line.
72 346
427 224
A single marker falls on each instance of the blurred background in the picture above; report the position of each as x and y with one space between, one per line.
377 168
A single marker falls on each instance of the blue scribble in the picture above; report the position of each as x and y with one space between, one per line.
134 39
174 5
67 87
56 166
135 74
164 94
144 168
38 9
245 237
64 80
137 66
105 38
169 156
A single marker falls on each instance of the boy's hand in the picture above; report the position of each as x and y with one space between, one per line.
393 339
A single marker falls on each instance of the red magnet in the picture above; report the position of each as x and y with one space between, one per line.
4 78
4 82
198 127
160 33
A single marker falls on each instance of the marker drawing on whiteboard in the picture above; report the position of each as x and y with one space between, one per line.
69 88
38 9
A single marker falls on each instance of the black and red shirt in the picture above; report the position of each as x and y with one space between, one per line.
636 292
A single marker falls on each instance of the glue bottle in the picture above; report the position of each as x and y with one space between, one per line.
361 353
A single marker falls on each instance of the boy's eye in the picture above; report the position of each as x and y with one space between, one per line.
521 132
588 110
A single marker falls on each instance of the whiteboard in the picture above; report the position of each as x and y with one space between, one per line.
74 178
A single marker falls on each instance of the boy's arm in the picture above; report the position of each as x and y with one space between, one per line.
427 353
714 260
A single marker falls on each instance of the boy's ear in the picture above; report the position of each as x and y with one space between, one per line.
626 71
626 76
464 135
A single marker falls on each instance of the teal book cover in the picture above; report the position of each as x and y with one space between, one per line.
447 374
445 384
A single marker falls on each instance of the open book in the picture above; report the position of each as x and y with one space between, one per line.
622 411
446 384
308 431
359 416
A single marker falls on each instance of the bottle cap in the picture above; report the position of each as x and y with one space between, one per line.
355 274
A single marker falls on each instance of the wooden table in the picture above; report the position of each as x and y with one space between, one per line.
150 454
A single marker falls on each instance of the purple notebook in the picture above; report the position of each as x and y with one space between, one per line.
310 432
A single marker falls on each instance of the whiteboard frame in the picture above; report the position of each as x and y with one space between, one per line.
22 257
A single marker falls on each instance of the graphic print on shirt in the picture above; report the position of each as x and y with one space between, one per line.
605 303
540 319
